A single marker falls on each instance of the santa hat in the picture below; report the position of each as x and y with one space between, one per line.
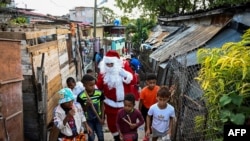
111 56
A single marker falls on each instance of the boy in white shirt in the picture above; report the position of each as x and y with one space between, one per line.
76 87
163 115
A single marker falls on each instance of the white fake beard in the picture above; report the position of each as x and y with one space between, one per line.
112 77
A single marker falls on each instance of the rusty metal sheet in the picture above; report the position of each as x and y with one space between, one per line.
161 32
190 39
12 109
11 78
11 97
10 60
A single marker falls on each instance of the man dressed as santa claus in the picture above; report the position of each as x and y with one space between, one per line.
115 81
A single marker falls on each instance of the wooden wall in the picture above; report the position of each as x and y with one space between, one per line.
11 107
46 63
52 58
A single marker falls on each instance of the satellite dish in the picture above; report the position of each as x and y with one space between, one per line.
117 22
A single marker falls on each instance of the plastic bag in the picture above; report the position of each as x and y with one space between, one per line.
164 138
81 137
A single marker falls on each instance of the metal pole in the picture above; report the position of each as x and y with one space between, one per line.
95 9
94 34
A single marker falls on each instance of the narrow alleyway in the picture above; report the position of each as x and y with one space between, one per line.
108 136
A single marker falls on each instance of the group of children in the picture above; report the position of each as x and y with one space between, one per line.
83 103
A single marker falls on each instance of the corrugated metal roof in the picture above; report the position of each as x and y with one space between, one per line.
190 39
243 18
156 37
159 38
227 35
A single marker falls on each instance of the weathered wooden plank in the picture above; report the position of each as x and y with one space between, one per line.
36 34
60 37
52 68
62 31
64 74
52 54
42 48
72 71
13 35
54 82
52 75
63 58
62 47
54 85
25 57
51 63
27 69
52 103
55 89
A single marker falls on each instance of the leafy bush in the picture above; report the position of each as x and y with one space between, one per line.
225 80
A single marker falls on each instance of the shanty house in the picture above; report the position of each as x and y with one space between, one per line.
176 64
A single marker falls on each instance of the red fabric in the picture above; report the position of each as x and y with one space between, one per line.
112 53
135 82
111 93
126 66
111 112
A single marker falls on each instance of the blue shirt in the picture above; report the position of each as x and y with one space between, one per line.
98 58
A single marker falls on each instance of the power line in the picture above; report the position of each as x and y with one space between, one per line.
57 4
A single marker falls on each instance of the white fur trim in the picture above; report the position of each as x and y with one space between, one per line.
128 78
113 103
115 133
110 59
120 92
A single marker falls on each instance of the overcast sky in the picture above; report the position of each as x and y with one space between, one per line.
60 7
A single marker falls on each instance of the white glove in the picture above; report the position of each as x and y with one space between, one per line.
122 73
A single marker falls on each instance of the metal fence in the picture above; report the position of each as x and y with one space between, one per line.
191 111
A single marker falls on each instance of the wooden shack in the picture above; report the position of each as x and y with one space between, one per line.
11 109
47 61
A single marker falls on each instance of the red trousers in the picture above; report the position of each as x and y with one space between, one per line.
111 114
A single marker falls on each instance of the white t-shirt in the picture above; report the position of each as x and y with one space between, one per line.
78 88
161 117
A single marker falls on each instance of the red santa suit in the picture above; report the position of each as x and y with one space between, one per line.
115 82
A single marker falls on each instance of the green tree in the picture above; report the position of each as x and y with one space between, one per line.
18 20
125 20
137 31
155 7
3 3
170 7
108 14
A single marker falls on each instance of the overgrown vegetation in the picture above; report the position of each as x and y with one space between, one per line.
137 31
18 20
169 7
225 79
